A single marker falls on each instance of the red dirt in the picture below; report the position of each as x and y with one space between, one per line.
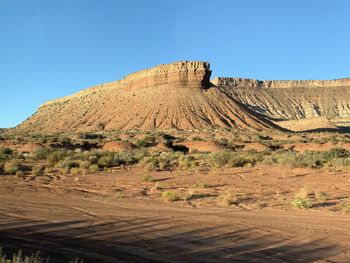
117 217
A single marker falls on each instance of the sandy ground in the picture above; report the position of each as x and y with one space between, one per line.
118 217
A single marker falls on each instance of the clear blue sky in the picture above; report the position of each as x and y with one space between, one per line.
53 48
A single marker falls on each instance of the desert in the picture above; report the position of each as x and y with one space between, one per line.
202 174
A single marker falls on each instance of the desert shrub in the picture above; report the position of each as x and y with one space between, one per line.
84 164
339 162
75 170
344 208
148 178
94 167
222 142
56 156
41 153
105 160
129 157
235 159
299 202
149 138
19 257
168 160
171 196
142 143
38 170
151 163
196 139
5 153
1 168
12 167
185 161
202 185
335 153
281 157
90 136
220 158
67 163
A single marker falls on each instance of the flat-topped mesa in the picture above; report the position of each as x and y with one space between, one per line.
187 74
279 84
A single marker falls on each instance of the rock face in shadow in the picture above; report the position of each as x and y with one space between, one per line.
177 95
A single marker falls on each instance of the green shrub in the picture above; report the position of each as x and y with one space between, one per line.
41 153
94 168
151 163
5 153
56 156
67 163
171 196
38 170
142 143
105 161
12 167
185 161
149 178
299 202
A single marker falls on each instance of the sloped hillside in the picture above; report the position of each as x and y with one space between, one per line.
177 95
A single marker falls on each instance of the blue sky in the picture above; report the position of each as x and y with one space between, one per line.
50 49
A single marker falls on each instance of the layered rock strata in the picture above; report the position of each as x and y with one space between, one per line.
177 95
291 99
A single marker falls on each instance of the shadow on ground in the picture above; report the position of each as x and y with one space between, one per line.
149 240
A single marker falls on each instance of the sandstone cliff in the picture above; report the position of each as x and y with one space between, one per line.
177 95
291 99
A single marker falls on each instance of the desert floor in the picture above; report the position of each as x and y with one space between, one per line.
120 216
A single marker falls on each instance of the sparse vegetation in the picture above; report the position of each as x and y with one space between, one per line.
171 196
299 202
76 153
12 167
38 170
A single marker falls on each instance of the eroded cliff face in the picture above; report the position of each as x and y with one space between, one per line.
177 95
187 74
291 99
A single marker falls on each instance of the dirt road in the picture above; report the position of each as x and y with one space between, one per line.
64 220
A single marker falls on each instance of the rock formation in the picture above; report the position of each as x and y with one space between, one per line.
177 95
296 99
180 95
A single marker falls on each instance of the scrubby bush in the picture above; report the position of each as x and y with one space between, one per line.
235 159
5 153
94 168
12 167
171 196
299 202
105 160
142 143
42 153
38 170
